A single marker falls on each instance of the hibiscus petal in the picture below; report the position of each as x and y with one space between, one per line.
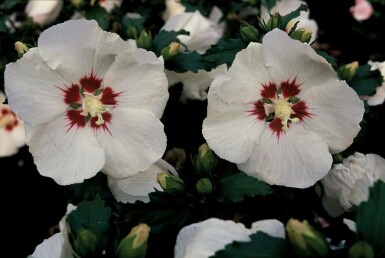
231 131
129 75
337 112
134 141
77 47
297 159
273 227
289 59
49 248
67 156
32 89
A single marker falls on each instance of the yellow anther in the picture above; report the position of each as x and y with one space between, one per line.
93 106
283 111
6 119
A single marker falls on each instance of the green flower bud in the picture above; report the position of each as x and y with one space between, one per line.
77 3
348 71
303 35
131 31
170 183
21 48
249 33
306 240
361 249
204 186
134 245
206 160
144 40
86 243
172 50
274 21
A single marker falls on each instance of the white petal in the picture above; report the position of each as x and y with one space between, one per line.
289 59
129 75
272 227
49 248
137 187
231 131
67 156
2 97
243 82
203 239
43 12
134 141
32 89
297 159
74 48
10 142
337 112
377 164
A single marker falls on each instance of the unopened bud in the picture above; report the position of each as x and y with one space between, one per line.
77 3
361 249
131 31
21 48
170 183
86 243
302 34
134 245
172 50
144 40
206 160
274 21
348 71
249 33
306 241
204 186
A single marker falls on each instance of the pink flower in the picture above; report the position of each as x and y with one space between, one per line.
362 11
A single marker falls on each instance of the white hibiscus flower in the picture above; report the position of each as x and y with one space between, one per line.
43 12
203 239
87 103
12 132
379 97
279 112
284 7
348 183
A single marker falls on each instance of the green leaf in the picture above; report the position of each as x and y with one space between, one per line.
234 188
91 215
331 60
261 245
164 39
370 219
99 14
188 61
270 4
365 81
294 14
224 51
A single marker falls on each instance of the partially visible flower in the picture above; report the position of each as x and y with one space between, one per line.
173 7
43 12
362 10
87 103
12 132
284 7
203 239
109 5
195 85
138 187
279 112
348 183
203 32
379 97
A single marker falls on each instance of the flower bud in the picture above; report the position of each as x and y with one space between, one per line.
274 21
206 160
249 33
77 3
172 50
303 35
86 243
204 186
306 241
361 249
170 183
131 31
134 245
21 48
144 40
348 71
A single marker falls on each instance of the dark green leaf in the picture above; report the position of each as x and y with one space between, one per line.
294 14
331 60
261 245
370 220
164 39
9 4
365 81
224 51
234 188
270 3
188 61
99 14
